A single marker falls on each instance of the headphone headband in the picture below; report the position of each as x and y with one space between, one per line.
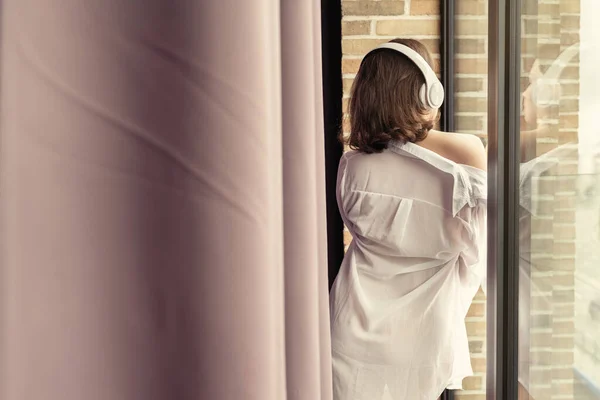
546 90
559 64
432 93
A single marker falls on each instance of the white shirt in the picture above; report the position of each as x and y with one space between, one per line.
417 259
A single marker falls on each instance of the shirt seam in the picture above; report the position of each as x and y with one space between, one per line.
401 198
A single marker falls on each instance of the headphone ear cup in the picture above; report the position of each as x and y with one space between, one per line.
546 93
423 96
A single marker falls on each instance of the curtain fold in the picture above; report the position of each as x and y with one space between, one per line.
308 372
162 201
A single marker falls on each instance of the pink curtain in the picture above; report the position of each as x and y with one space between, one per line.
162 201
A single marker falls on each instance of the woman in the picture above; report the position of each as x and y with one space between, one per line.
414 200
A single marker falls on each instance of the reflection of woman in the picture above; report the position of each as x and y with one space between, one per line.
540 113
414 200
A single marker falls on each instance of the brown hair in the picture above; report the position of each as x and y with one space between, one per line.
385 104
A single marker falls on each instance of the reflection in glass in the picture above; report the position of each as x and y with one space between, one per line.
559 293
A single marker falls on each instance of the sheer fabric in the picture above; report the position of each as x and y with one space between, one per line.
416 261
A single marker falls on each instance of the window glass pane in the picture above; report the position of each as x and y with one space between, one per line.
559 290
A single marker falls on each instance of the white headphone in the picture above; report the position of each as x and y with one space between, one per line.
432 92
546 90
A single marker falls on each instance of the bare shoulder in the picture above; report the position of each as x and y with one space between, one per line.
465 149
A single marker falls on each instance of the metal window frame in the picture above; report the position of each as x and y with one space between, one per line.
331 53
503 198
447 51
447 21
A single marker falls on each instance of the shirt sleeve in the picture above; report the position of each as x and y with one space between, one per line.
474 215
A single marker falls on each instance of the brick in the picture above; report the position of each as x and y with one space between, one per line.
567 342
542 245
470 396
562 389
539 321
569 22
563 296
478 364
346 125
564 232
568 39
564 311
562 373
463 85
564 264
541 225
540 375
545 207
564 215
350 28
471 66
565 167
350 65
530 27
473 383
529 46
469 46
471 7
476 346
540 392
425 7
570 6
568 137
470 104
469 123
360 46
541 357
541 339
562 358
471 27
546 184
551 9
569 121
550 28
408 27
476 310
562 248
542 148
480 296
433 45
368 7
529 8
347 85
570 72
563 327
476 328
347 238
566 201
570 89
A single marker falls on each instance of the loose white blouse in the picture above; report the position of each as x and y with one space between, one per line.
416 261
